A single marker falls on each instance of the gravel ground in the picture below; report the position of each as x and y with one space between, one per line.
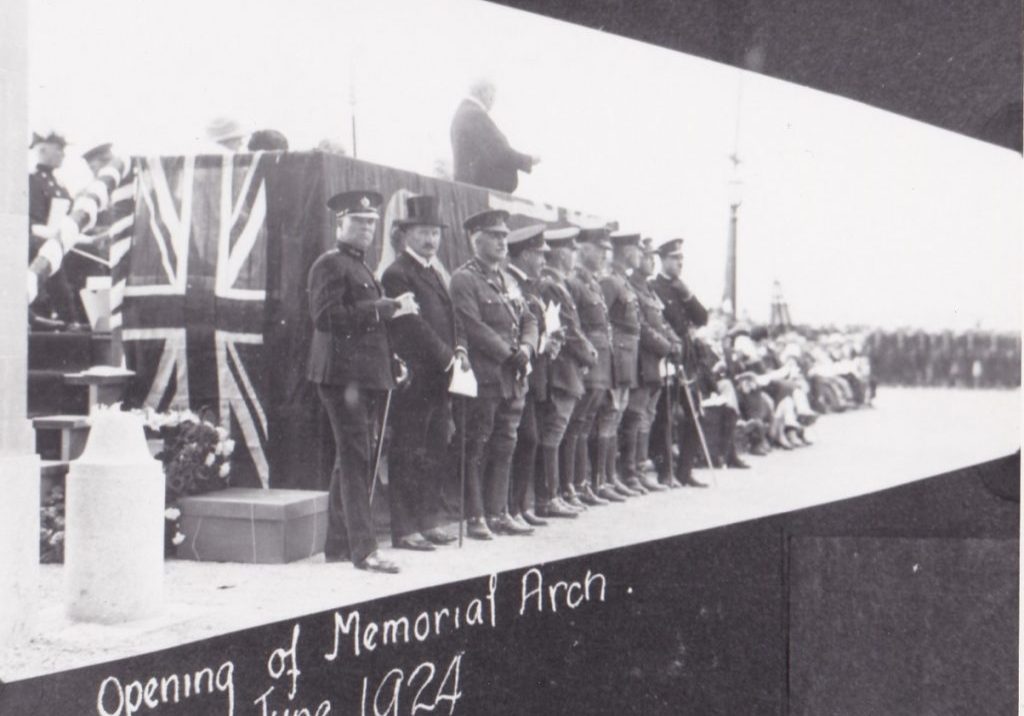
910 434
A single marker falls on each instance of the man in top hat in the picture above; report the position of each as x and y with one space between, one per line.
482 155
350 361
624 316
682 312
588 296
658 342
48 202
565 377
430 342
501 334
526 251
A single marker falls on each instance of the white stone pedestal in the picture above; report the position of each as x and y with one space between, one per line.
19 546
114 537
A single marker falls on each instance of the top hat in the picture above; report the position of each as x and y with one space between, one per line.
672 247
526 238
356 203
421 210
491 220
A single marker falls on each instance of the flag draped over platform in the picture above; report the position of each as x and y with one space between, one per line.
215 312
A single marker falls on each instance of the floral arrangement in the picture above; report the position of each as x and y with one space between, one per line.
196 457
196 452
51 526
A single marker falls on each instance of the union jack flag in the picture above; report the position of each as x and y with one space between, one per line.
196 288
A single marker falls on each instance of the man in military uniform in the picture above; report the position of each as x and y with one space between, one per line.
526 249
589 299
351 363
430 342
624 316
566 370
682 311
501 335
56 305
658 342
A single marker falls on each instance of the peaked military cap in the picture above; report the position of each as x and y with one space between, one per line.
97 151
355 203
647 246
489 220
672 247
526 238
621 239
564 238
598 237
48 138
421 210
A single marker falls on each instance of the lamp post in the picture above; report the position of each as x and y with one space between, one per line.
735 194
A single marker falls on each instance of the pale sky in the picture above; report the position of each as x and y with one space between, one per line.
864 216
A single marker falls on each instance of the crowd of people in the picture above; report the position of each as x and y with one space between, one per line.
974 359
600 377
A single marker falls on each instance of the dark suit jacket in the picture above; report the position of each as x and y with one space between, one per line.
350 340
482 155
425 341
495 327
681 312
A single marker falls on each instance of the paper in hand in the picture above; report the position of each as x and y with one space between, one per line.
408 305
463 381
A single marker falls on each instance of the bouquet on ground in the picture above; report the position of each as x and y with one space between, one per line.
196 455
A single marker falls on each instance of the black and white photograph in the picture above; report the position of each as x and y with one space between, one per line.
374 357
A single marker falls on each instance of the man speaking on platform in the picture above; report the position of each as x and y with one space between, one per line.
481 153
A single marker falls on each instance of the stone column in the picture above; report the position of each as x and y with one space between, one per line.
19 465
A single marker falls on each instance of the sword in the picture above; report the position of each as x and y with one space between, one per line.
696 423
380 445
462 467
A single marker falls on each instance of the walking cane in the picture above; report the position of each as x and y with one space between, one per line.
696 423
380 445
668 424
462 467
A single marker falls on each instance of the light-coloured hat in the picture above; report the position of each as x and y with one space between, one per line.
223 129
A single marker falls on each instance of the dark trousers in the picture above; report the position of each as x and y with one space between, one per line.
575 449
553 416
719 424
417 458
682 429
353 414
491 425
524 461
